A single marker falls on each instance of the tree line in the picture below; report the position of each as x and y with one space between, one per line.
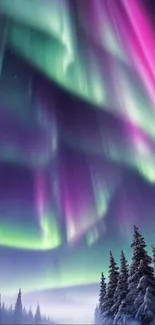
128 297
19 315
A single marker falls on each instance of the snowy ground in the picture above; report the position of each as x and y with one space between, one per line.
66 306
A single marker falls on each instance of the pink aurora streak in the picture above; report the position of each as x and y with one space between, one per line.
132 30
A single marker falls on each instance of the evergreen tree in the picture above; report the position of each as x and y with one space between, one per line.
24 313
122 287
30 317
18 309
153 258
50 321
139 252
2 313
109 298
145 301
97 316
37 317
130 299
10 313
19 315
102 294
145 274
138 245
44 320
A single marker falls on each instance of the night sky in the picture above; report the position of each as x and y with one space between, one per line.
77 138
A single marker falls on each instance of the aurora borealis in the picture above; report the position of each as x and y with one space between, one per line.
77 137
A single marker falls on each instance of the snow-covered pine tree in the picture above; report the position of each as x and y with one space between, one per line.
97 316
18 311
138 245
111 287
102 294
122 287
145 301
153 258
144 271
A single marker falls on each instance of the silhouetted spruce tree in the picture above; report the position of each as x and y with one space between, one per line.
122 287
10 313
24 315
2 312
102 294
18 316
30 317
50 321
37 317
44 320
111 287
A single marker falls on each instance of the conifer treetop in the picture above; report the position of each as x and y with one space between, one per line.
130 293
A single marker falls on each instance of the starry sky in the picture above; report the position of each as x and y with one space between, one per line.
77 138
